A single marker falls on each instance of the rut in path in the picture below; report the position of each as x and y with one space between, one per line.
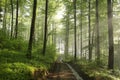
61 72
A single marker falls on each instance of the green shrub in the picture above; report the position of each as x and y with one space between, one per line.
13 62
13 44
15 71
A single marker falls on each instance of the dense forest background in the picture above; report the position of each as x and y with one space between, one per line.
34 33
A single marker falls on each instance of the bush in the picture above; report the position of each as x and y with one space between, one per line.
15 66
15 71
12 44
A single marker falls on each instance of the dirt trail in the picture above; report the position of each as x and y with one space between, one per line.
61 72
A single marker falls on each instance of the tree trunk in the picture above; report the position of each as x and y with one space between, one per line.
32 30
93 38
16 24
4 18
75 43
81 29
45 28
97 33
12 18
67 36
54 34
0 13
110 36
90 49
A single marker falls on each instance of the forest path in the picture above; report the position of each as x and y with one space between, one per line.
62 71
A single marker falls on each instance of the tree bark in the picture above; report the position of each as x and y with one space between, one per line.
0 13
32 30
16 24
4 18
75 43
12 18
45 28
81 29
67 36
89 30
97 33
110 36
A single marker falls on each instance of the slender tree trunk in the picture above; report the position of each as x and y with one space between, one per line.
4 18
81 28
16 24
75 43
45 28
0 14
78 42
110 36
92 40
67 36
12 18
32 30
54 34
90 50
97 33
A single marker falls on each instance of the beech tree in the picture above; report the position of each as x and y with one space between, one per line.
4 17
110 35
16 24
89 30
32 30
12 18
75 43
81 28
97 32
45 28
67 36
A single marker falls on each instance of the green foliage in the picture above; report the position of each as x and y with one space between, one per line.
14 64
50 54
14 71
99 72
14 45
19 44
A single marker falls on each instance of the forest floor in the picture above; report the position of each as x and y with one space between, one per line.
61 72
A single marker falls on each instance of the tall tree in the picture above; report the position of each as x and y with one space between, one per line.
75 43
16 24
67 35
97 32
110 35
4 17
89 30
32 30
12 18
45 28
81 29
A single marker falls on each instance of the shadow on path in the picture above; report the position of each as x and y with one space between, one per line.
61 72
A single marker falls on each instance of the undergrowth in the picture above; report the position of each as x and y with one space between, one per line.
98 72
15 66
